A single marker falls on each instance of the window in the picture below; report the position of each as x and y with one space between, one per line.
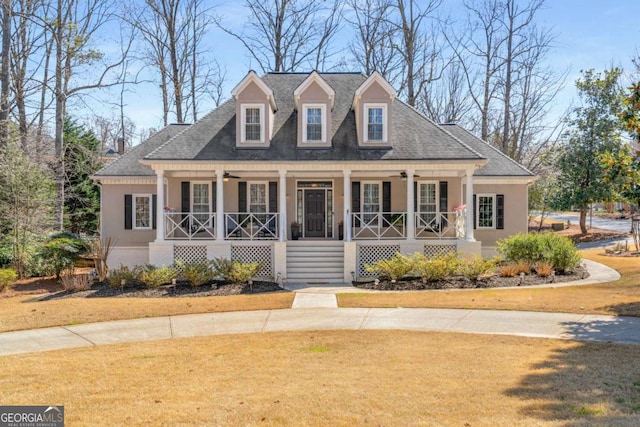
252 123
314 123
142 211
258 197
486 210
375 122
200 204
370 202
427 203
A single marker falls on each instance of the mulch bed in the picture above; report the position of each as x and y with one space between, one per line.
459 282
181 289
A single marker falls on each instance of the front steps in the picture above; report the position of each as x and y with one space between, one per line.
315 261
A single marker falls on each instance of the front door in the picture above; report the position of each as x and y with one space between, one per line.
314 213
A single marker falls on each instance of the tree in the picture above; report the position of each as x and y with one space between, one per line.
83 195
25 204
5 78
289 35
594 129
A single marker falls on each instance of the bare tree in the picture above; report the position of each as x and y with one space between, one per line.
5 78
448 100
288 35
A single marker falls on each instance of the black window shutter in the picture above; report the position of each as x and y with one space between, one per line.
128 212
355 200
186 199
273 196
444 202
475 212
500 211
154 211
386 199
242 196
214 196
415 196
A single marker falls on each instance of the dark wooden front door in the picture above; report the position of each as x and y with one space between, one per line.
314 213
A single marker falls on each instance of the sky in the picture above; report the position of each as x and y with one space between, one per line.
589 34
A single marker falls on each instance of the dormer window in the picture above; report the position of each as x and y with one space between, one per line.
252 123
314 123
375 123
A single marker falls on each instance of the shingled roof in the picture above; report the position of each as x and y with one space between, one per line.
129 165
413 136
499 164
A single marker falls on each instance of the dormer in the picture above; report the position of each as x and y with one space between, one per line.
314 100
372 105
255 108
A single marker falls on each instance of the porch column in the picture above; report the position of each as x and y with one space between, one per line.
160 228
220 226
411 209
347 205
469 196
282 187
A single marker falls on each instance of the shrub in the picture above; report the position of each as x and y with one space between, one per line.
61 251
153 276
524 266
222 267
543 268
562 254
474 267
123 275
435 268
74 282
394 268
7 277
521 246
535 247
242 272
509 269
198 273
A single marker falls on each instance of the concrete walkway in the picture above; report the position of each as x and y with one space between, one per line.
315 308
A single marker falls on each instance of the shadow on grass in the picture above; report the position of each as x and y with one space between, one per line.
588 383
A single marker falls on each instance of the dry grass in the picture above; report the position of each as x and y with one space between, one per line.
616 298
337 378
18 313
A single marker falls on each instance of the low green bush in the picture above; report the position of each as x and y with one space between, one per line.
562 253
435 268
61 251
153 276
123 275
7 277
534 247
222 267
197 273
474 267
394 268
242 272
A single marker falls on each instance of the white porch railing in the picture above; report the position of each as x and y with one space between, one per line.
393 225
251 226
441 225
189 225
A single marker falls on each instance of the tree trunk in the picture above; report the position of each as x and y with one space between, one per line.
583 219
5 80
59 120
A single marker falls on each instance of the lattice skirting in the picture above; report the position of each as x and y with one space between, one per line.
431 251
372 254
189 254
262 254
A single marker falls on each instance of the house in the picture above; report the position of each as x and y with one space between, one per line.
313 175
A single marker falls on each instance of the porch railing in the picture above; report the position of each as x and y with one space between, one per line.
252 226
393 225
190 225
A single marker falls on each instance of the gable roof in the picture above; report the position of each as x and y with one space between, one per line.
252 77
314 77
413 136
499 164
128 164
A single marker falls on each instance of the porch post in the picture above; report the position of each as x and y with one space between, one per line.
282 187
220 226
469 202
347 205
411 211
160 228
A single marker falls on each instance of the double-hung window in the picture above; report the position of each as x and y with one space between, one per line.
486 210
375 122
252 123
201 204
428 204
142 211
258 198
370 203
314 123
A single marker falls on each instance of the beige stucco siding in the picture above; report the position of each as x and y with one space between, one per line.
252 94
112 215
374 94
515 211
315 95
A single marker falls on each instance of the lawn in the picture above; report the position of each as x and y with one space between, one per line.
18 312
338 378
617 298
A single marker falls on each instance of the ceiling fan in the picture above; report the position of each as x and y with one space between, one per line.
403 175
227 176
